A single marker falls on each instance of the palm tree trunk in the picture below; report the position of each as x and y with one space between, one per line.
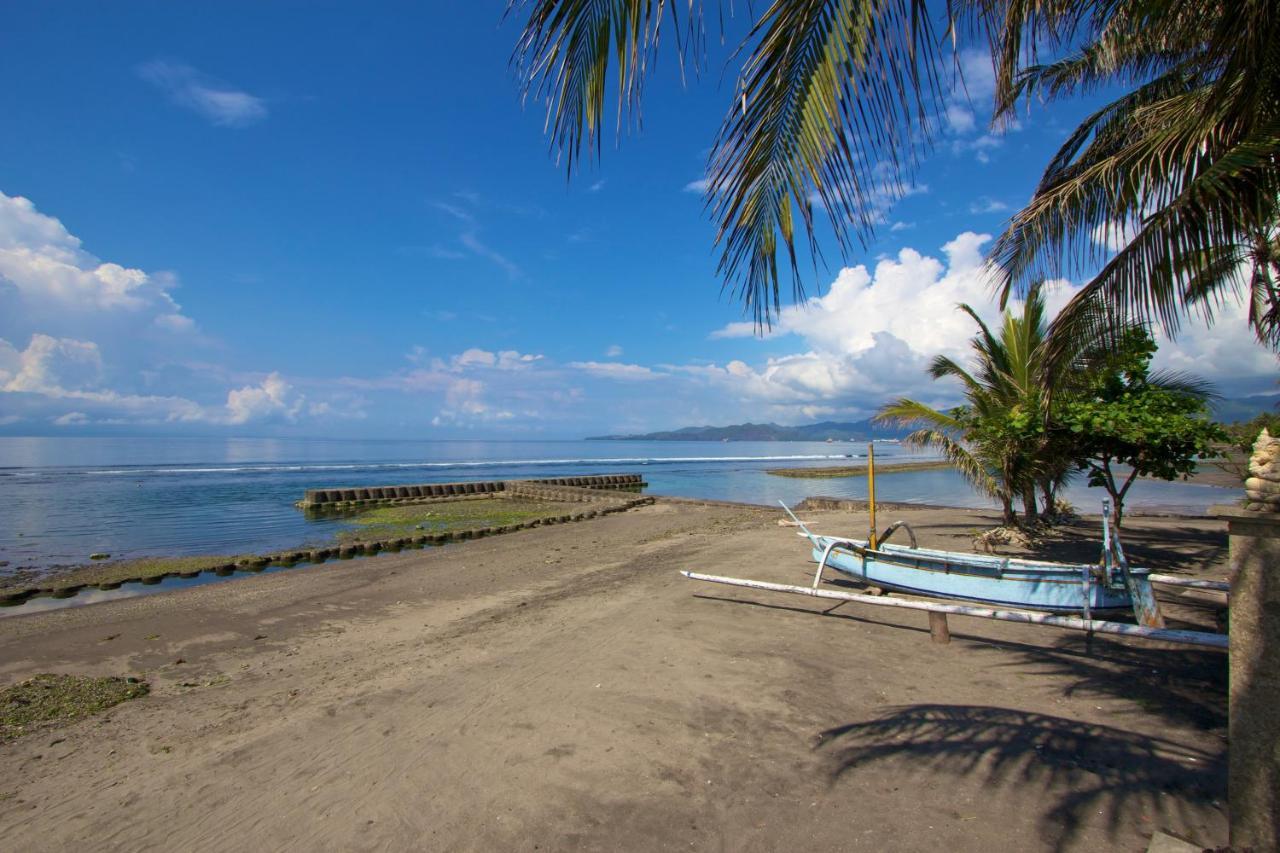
1008 517
1047 496
1029 510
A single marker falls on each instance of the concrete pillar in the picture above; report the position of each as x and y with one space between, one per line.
1254 762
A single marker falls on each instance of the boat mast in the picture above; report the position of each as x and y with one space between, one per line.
871 490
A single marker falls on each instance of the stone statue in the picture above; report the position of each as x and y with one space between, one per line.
1262 489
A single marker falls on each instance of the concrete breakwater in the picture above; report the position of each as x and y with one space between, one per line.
108 577
426 492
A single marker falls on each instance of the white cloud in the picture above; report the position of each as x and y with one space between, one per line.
1225 353
55 373
980 146
873 333
986 204
613 351
105 341
47 364
470 240
978 73
219 103
901 226
968 107
175 323
959 118
597 186
49 272
878 198
71 419
272 398
699 186
502 360
616 370
1114 236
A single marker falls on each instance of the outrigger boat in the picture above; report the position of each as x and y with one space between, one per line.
1075 589
1070 593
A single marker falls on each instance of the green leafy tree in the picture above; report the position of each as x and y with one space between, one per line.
1242 434
1127 423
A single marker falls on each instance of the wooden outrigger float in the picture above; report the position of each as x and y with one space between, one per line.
1028 591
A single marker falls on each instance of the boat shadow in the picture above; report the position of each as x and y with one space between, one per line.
1078 769
1183 686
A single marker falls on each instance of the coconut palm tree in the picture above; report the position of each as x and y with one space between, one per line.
1171 192
998 440
1007 439
834 101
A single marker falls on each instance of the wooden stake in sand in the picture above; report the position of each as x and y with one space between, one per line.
938 630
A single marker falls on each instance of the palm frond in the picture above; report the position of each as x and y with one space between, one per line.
906 412
1204 197
962 459
1180 382
832 105
564 54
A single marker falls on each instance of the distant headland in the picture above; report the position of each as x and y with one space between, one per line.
825 431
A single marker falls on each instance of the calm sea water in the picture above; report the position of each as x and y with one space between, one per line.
62 499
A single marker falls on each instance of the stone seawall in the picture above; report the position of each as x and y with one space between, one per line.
427 492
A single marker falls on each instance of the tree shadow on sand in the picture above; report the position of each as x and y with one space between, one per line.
1180 686
1080 769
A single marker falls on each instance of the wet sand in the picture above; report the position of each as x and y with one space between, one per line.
564 689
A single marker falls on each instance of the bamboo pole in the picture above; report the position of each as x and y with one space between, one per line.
1193 638
1173 580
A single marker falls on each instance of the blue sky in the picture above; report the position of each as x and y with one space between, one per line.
322 219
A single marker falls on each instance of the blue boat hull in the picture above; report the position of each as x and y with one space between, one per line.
1004 582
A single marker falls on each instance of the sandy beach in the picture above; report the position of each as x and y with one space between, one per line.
563 688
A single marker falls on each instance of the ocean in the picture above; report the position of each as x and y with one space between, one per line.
66 498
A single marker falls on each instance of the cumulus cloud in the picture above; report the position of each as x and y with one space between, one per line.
53 374
873 333
613 351
699 186
271 398
48 364
100 340
1225 353
44 266
218 102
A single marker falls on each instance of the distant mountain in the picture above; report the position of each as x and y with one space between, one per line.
856 431
1230 410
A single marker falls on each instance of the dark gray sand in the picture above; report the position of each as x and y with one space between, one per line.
564 688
